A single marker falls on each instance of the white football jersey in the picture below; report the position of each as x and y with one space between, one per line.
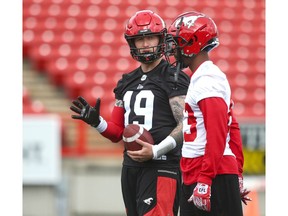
207 81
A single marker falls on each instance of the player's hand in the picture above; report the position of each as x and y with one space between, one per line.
243 191
85 112
201 196
142 155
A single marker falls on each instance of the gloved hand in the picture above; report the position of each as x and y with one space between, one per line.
87 113
243 191
201 196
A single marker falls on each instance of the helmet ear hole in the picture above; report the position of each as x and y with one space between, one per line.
190 42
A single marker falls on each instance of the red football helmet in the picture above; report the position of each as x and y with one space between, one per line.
144 23
194 32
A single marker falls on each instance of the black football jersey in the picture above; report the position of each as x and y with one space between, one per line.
146 102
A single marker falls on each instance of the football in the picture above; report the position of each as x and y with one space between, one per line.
131 133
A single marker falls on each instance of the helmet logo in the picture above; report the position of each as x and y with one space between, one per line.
188 21
143 31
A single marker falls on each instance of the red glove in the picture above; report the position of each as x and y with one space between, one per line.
201 196
243 191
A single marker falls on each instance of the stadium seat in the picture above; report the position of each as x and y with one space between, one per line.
26 100
74 41
107 99
58 68
35 107
74 83
40 55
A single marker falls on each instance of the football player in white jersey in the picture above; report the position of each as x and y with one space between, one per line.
212 158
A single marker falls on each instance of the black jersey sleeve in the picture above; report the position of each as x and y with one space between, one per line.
117 89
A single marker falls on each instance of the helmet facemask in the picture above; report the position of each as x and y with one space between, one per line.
176 44
147 57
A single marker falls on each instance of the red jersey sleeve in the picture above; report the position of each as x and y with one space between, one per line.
235 144
115 127
215 116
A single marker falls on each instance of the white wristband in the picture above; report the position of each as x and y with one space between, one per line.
102 125
163 147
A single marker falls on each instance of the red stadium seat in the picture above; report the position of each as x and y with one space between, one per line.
26 100
74 83
74 41
35 107
107 99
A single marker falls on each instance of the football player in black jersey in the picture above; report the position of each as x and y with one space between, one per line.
146 96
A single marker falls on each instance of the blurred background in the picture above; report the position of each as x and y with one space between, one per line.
77 47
